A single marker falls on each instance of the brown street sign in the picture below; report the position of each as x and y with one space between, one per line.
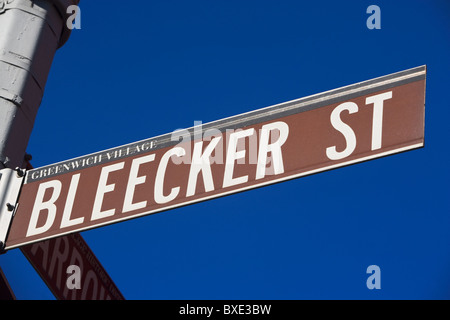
52 258
359 122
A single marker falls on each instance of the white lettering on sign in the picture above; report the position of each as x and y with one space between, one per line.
241 146
337 128
201 163
232 155
347 131
272 138
92 160
133 181
41 205
159 181
103 188
66 220
273 148
377 125
343 128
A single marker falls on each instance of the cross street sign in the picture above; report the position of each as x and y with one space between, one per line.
359 122
51 259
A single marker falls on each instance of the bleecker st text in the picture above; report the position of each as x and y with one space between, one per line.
352 124
199 176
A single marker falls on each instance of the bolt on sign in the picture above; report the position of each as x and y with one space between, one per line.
359 122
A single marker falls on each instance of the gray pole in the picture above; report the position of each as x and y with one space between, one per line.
30 33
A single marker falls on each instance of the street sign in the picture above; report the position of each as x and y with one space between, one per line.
52 258
359 122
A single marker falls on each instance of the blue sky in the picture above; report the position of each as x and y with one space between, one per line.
134 72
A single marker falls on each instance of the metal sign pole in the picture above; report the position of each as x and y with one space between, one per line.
27 28
30 34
